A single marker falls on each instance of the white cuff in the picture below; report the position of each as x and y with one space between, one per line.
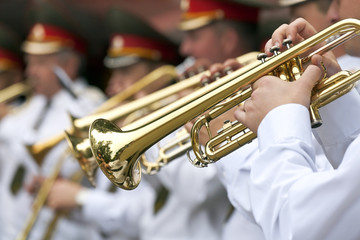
284 122
81 197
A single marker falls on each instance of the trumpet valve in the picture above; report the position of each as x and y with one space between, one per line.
287 43
261 57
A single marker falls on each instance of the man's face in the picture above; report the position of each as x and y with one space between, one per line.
311 13
39 71
342 9
124 77
204 42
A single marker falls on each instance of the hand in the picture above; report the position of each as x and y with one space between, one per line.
270 92
3 110
199 66
63 194
216 70
297 31
35 184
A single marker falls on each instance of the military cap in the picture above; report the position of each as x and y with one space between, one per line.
198 13
53 29
288 3
10 55
132 39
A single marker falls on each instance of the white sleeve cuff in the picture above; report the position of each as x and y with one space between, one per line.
81 197
285 122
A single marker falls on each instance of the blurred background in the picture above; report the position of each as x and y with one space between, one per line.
164 15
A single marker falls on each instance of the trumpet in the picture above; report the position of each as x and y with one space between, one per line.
79 125
118 150
14 91
177 147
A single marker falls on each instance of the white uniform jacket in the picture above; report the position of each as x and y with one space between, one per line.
290 197
39 120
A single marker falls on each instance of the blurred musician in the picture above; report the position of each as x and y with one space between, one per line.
135 50
54 54
11 64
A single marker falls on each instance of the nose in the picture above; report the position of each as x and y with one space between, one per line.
332 15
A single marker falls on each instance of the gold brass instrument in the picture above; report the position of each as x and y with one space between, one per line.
14 91
173 149
117 150
166 73
39 151
179 146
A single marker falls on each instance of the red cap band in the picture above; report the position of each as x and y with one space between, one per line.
219 10
127 44
47 33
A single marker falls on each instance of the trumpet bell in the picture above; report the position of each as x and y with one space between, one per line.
82 152
108 142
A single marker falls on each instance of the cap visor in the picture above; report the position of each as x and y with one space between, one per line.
123 61
40 48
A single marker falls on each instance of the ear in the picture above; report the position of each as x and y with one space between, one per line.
229 41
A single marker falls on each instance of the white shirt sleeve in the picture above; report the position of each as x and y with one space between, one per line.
118 211
339 127
289 197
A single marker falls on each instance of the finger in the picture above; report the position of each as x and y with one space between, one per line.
188 126
240 115
310 77
277 38
327 61
299 29
205 79
267 47
217 67
260 81
232 63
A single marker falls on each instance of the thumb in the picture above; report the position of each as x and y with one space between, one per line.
311 76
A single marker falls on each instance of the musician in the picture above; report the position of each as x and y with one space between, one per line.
11 65
54 52
284 174
135 49
217 30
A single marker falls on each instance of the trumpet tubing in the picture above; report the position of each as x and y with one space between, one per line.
80 125
108 142
14 91
176 147
117 150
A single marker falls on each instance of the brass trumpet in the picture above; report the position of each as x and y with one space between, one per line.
117 150
177 147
